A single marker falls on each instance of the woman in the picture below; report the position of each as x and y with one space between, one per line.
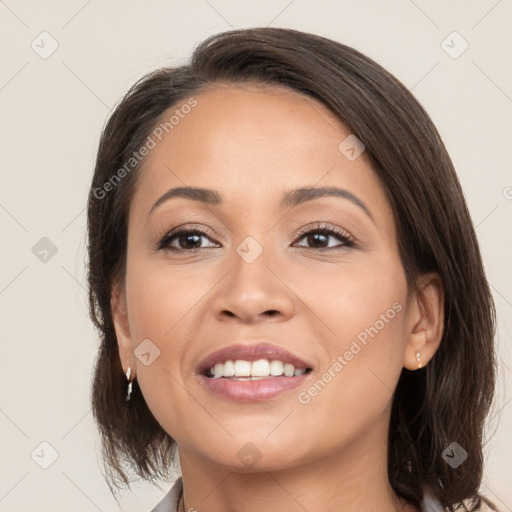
288 287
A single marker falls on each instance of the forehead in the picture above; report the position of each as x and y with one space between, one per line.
257 116
248 142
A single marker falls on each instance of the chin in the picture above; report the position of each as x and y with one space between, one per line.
254 452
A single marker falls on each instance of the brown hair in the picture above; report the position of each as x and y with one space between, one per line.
446 401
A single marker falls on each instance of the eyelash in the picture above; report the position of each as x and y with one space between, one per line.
343 236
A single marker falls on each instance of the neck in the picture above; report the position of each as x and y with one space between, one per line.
352 479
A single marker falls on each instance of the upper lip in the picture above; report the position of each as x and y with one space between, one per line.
251 353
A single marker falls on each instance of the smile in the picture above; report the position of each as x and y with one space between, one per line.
259 369
252 373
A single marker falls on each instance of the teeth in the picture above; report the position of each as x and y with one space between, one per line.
218 370
289 370
260 368
276 368
229 369
256 369
242 368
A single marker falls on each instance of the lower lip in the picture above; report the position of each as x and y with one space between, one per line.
252 390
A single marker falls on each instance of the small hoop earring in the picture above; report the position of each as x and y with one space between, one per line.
128 394
418 358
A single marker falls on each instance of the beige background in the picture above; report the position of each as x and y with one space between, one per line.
53 110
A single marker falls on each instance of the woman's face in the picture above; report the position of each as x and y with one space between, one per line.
257 287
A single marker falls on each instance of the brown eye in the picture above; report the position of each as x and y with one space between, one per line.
184 240
319 238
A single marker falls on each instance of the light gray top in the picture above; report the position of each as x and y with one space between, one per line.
169 503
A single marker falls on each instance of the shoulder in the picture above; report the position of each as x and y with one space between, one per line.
430 503
169 503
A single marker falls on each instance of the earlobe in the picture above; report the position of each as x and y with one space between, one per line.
122 327
426 326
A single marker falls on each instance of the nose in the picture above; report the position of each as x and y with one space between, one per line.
254 292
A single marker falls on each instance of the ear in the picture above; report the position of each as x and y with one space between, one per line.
426 321
122 327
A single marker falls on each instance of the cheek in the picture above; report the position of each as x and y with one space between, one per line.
371 312
160 306
157 302
161 296
364 356
160 309
363 308
364 298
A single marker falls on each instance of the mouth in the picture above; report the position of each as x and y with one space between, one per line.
256 370
252 373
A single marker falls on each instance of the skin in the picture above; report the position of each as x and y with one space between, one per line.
251 144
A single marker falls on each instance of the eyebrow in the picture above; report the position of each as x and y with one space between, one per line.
290 198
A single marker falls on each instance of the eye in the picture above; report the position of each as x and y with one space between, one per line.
184 240
192 239
318 237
